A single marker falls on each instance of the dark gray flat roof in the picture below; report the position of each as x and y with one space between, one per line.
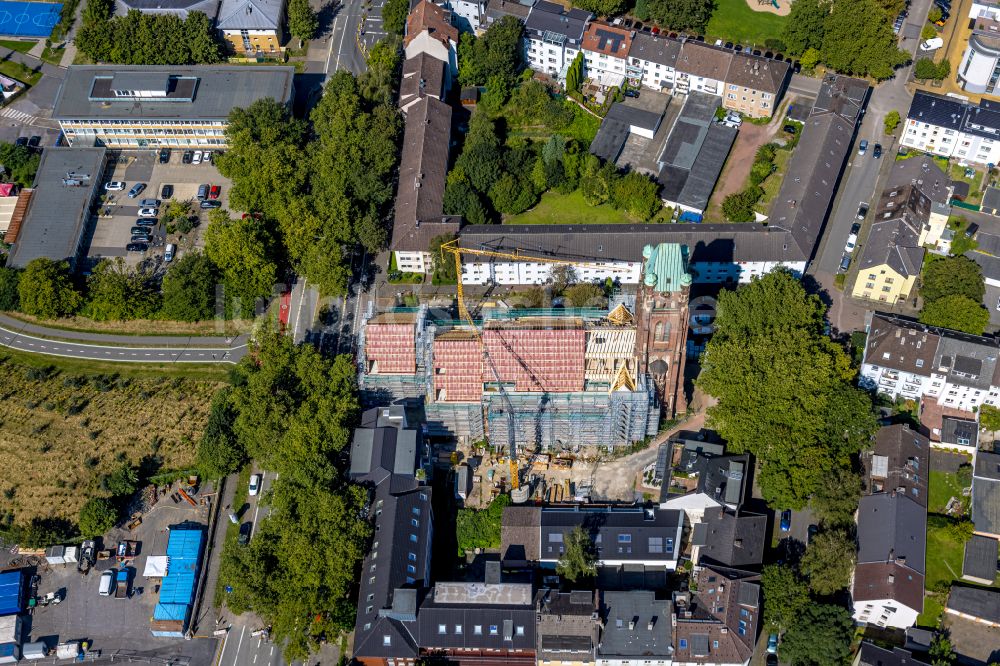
892 527
980 558
219 90
978 602
642 610
57 217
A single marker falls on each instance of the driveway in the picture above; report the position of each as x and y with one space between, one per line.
737 169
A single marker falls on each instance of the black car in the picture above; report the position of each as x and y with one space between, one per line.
877 151
971 230
166 191
164 155
34 141
855 228
140 238
811 532
845 263
211 203
244 537
772 660
139 230
137 247
21 141
147 222
791 129
632 93
187 157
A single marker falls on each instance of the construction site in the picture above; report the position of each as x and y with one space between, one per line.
539 380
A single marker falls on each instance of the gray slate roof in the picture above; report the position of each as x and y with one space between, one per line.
980 558
626 633
550 18
873 655
180 8
56 222
991 199
655 49
986 493
423 75
251 14
694 153
891 527
219 90
732 539
922 172
619 533
979 602
616 127
938 110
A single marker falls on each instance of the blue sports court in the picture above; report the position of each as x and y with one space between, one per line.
28 19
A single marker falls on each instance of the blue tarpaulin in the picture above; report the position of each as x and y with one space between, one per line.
177 588
11 592
688 216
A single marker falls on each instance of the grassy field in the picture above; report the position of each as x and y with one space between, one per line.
734 21
65 425
943 486
556 208
232 530
17 45
944 555
141 326
772 184
16 70
583 128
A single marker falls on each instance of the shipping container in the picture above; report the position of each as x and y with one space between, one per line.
70 650
36 650
56 555
177 589
10 653
12 590
10 629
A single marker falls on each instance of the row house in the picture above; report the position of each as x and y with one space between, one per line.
954 128
605 51
429 30
906 359
553 36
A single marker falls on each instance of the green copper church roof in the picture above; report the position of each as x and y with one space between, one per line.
665 268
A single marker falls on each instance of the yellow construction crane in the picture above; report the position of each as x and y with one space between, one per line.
618 315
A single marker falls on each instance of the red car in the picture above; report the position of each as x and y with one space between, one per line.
214 192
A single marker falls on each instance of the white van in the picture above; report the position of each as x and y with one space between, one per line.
107 582
168 254
932 44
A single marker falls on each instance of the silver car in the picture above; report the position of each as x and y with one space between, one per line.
148 212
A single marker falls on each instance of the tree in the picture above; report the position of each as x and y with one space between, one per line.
691 15
444 263
189 288
960 313
122 481
941 653
934 15
45 289
97 516
641 10
480 528
378 84
461 199
584 294
928 32
563 275
149 39
394 16
925 68
636 194
9 280
497 53
785 595
961 530
820 636
579 560
866 47
220 453
302 20
512 195
989 417
836 498
891 121
20 162
829 561
810 59
603 8
119 293
805 25
739 207
952 276
240 248
574 75
784 389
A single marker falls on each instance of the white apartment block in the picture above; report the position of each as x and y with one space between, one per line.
552 37
605 50
954 128
468 15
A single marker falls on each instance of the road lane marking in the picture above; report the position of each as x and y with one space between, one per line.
242 631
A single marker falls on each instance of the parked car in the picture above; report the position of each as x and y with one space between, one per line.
932 44
107 581
34 141
208 156
771 660
945 15
632 93
167 191
811 532
168 252
209 203
845 263
790 129
786 520
877 151
863 147
21 141
254 484
164 155
852 238
147 221
862 211
197 157
202 192
140 238
139 230
214 192
971 230
149 212
187 157
136 190
244 537
149 203
772 644
115 186
136 247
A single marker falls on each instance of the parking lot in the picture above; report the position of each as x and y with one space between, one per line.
118 213
112 625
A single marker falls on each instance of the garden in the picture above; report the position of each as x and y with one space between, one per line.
734 21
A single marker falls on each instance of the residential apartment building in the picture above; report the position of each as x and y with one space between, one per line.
954 128
145 107
754 85
888 584
553 35
605 52
907 359
468 15
980 65
893 256
429 30
634 630
252 28
652 61
716 622
423 76
567 627
702 67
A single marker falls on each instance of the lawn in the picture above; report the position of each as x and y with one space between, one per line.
944 555
734 21
556 208
209 328
22 73
232 530
933 608
583 128
65 425
943 486
772 183
17 45
957 172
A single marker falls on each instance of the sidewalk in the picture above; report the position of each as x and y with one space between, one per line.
17 325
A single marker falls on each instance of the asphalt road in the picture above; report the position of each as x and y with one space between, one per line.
343 51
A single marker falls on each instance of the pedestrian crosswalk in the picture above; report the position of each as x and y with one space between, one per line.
26 118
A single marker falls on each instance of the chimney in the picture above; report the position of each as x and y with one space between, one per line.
631 624
652 621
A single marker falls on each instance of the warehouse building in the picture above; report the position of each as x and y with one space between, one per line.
172 614
133 107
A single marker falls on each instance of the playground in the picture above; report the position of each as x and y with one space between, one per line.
748 22
28 19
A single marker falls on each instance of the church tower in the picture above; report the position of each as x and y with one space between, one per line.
662 322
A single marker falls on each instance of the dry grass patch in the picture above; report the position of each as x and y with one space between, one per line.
62 429
141 326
